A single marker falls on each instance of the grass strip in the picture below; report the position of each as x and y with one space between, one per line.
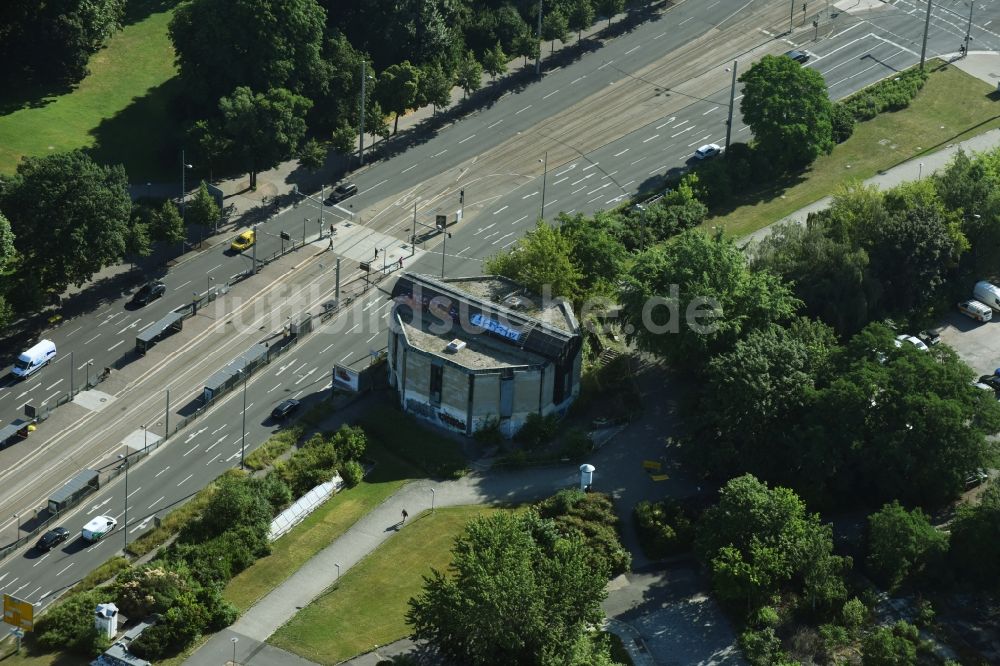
368 606
417 444
953 106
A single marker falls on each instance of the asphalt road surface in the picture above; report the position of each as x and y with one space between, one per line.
589 134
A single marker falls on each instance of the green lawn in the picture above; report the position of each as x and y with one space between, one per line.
318 530
368 606
952 106
120 110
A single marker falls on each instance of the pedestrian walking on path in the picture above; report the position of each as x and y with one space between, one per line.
405 516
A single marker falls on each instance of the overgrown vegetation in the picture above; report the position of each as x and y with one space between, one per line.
665 528
276 446
423 448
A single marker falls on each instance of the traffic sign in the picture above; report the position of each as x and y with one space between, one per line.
18 613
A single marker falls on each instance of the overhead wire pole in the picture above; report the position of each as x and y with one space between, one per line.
791 16
545 174
361 134
732 100
927 26
968 30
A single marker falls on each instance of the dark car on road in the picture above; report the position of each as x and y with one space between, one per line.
52 538
284 409
341 192
800 57
149 292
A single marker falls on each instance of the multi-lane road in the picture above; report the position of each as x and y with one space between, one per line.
589 134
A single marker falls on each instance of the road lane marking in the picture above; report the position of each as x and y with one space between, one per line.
549 203
463 250
304 377
81 366
381 182
524 109
685 20
529 195
501 210
467 138
161 471
63 570
41 559
494 124
561 180
638 160
117 344
88 342
650 138
374 336
502 237
132 325
590 166
697 141
657 170
221 427
551 93
686 129
710 110
579 78
576 182
599 188
523 217
606 64
408 168
662 34
565 171
133 492
192 449
54 385
578 189
185 479
634 48
157 502
619 154
51 396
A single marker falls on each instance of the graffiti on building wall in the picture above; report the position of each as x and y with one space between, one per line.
451 421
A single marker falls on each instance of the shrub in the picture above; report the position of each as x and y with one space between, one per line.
890 646
854 614
576 444
843 123
273 489
766 616
887 95
489 432
761 648
349 442
664 528
352 472
102 574
538 430
70 624
592 518
275 447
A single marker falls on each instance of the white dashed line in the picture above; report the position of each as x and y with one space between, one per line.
529 195
501 210
156 502
579 78
439 154
61 571
686 129
561 180
524 109
591 166
88 342
185 479
494 124
413 166
621 153
650 138
710 110
523 217
634 48
551 93
467 138
117 344
161 471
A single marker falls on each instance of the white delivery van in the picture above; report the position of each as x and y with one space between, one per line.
98 528
987 293
34 359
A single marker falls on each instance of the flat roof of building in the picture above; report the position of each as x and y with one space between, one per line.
513 296
480 352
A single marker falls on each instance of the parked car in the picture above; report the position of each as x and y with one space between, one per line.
976 478
52 538
913 340
149 292
708 150
976 310
800 57
993 381
930 337
284 409
244 240
341 192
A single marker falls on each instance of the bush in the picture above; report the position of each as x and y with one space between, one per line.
766 616
887 95
854 614
843 123
489 432
102 574
664 528
70 624
576 444
761 648
352 472
538 430
349 442
275 447
890 646
592 518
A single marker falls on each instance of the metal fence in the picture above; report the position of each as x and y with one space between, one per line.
304 506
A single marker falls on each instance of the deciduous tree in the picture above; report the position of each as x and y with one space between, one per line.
397 89
263 128
516 593
495 61
581 16
542 261
202 209
902 543
554 26
469 75
435 86
787 107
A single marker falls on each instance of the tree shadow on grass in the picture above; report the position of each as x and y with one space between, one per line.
139 10
32 96
145 136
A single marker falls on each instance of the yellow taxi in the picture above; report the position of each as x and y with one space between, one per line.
244 240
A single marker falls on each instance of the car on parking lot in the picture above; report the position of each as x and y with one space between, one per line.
800 57
708 150
341 192
913 340
976 310
284 409
976 478
993 381
930 336
244 240
149 292
52 538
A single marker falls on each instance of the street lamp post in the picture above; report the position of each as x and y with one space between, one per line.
145 441
72 372
432 500
732 100
545 174
184 167
243 444
444 248
235 640
968 30
927 26
89 363
920 170
17 517
208 286
125 517
305 220
338 570
538 58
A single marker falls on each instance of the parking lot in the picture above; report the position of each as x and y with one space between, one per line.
978 344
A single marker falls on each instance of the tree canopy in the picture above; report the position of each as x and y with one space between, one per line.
516 593
70 217
902 544
787 107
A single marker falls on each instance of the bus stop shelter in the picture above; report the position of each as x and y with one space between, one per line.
173 322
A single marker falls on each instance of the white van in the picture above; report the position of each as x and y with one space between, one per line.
98 528
987 293
976 310
34 359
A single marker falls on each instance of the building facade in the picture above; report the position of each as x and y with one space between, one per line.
466 353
